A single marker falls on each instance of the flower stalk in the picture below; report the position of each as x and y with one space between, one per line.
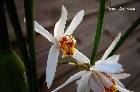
98 31
29 5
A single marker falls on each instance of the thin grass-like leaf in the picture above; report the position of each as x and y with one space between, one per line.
98 31
11 67
126 35
28 5
11 7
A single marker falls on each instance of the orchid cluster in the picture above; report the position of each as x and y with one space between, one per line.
104 76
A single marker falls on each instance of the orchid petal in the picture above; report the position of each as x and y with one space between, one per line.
121 75
108 68
107 83
38 28
80 57
120 86
122 89
60 25
87 88
71 79
118 82
75 22
83 82
95 83
113 59
111 47
51 64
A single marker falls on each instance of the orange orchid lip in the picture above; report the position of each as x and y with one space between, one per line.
67 45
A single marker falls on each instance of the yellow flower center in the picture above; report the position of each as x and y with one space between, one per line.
67 45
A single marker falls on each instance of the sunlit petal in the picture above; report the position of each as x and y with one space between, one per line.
60 25
38 28
71 79
80 57
121 75
83 82
112 59
51 64
108 68
75 22
111 47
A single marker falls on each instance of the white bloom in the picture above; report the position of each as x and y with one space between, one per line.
103 76
61 41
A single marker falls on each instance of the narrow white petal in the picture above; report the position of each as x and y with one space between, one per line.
122 89
38 28
107 83
51 64
83 82
60 25
118 82
75 22
121 75
87 88
108 68
71 79
111 47
113 59
80 57
95 84
77 82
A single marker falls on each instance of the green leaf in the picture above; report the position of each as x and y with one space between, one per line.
126 35
11 7
98 31
28 5
13 75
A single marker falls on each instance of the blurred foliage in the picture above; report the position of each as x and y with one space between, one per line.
126 35
13 74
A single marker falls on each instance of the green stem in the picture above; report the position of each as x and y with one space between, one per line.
28 4
4 39
98 31
126 35
11 7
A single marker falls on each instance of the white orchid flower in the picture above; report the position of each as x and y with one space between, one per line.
61 41
102 77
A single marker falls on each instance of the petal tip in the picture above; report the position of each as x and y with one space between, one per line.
81 12
63 8
48 82
119 36
48 86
